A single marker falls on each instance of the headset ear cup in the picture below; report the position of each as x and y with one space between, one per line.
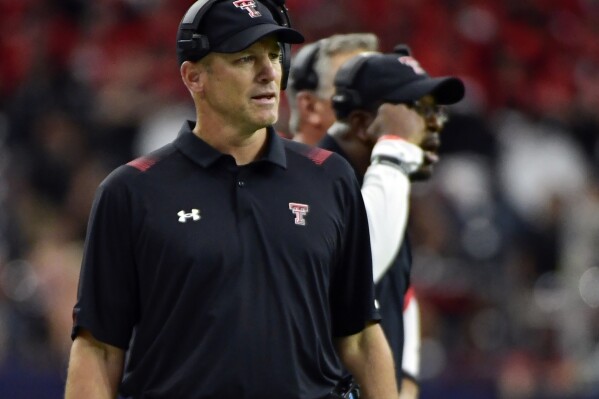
302 74
285 64
192 45
339 105
344 101
345 98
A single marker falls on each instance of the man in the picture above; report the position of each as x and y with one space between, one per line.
311 82
311 114
389 115
230 263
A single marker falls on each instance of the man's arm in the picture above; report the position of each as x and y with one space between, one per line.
386 193
386 186
95 369
409 389
368 357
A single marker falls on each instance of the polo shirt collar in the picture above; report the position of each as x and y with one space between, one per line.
204 155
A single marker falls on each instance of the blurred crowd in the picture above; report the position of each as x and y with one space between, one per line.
506 235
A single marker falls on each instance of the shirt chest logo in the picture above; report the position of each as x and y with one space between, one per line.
300 211
194 215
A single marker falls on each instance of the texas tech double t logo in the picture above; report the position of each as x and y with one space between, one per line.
299 210
249 6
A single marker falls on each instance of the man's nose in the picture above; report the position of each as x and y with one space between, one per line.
267 70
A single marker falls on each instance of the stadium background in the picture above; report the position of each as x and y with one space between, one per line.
506 236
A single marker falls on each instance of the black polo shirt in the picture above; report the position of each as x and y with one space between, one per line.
227 281
392 287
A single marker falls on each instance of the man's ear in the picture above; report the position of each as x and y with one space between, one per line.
359 120
191 74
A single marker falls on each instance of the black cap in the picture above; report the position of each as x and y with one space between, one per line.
368 80
228 27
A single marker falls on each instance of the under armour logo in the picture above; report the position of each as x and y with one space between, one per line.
194 215
249 6
299 210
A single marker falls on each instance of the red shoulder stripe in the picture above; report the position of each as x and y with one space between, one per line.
142 163
318 155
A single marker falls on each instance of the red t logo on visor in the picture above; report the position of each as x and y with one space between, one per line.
249 6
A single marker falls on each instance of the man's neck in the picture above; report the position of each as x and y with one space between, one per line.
244 145
309 136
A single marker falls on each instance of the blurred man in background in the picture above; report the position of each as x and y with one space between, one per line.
390 113
311 82
311 87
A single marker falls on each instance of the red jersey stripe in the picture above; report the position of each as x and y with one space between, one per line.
318 155
142 163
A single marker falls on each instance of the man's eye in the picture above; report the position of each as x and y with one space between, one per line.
275 56
245 60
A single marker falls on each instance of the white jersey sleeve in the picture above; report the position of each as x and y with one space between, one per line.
386 191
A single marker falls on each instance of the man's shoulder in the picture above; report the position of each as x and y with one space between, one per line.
319 157
144 166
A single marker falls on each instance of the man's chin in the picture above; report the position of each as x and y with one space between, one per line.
265 121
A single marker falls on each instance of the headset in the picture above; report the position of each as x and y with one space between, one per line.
346 99
192 45
303 75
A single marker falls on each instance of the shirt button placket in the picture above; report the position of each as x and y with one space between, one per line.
243 198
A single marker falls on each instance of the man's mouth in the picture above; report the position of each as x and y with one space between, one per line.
430 147
266 98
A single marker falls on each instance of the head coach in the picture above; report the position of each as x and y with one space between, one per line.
230 263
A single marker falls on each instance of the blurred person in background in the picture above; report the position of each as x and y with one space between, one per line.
389 116
309 95
255 307
311 82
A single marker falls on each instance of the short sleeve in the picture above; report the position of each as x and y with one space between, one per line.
107 295
352 287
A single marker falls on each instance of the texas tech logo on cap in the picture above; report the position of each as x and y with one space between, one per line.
299 210
412 63
249 6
